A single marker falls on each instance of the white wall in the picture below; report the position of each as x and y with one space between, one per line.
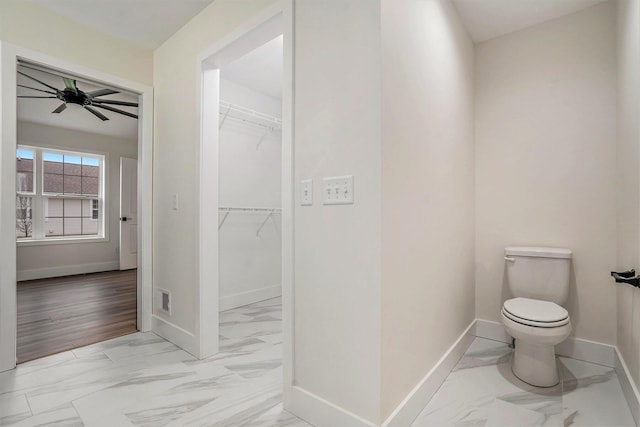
427 190
57 260
628 200
337 248
175 140
250 265
546 159
25 24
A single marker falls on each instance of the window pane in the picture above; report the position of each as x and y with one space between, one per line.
90 185
52 183
24 170
52 157
72 208
52 167
24 228
53 227
72 185
90 167
72 226
89 226
86 208
53 207
72 168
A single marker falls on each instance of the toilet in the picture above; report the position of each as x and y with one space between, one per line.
538 279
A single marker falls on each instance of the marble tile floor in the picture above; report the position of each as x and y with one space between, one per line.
143 380
482 391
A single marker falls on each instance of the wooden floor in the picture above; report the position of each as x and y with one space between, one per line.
63 313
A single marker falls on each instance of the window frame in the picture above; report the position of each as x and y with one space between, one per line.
39 206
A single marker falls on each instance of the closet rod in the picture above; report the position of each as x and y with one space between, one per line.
249 209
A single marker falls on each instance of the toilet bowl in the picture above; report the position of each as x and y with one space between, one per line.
538 279
537 327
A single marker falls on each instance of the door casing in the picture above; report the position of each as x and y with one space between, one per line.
9 56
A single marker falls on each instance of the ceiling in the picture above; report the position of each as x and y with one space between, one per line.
260 69
486 19
146 22
74 117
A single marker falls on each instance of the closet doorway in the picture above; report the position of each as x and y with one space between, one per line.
249 197
245 216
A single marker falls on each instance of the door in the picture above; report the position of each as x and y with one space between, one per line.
128 213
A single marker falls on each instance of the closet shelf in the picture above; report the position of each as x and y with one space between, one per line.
268 211
247 115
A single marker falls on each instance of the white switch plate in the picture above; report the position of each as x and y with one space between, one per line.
174 202
306 192
337 190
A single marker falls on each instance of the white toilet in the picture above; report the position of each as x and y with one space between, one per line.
539 282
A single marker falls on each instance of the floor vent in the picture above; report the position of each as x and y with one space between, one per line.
163 301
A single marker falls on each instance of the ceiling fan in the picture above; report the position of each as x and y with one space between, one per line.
72 95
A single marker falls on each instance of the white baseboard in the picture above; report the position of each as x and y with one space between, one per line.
629 387
175 334
491 330
249 297
415 402
66 270
321 413
589 351
576 348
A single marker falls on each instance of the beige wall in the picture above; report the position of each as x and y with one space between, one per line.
629 180
337 248
427 190
24 24
175 141
45 259
546 159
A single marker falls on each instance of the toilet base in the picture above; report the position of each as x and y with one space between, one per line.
535 364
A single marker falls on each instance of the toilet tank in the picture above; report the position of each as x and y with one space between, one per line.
539 273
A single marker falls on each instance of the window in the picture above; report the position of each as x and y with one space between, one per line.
24 193
68 203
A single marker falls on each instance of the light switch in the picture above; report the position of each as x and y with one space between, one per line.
337 190
174 202
306 192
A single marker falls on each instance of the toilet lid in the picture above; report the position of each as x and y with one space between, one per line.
535 312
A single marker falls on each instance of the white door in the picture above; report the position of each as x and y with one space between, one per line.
128 213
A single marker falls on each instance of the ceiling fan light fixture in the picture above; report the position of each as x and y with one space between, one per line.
71 94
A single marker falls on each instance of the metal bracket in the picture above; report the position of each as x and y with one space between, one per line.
264 136
264 223
224 218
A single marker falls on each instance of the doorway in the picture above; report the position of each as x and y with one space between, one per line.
274 22
249 201
73 136
85 213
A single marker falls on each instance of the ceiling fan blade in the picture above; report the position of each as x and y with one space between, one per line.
98 114
101 92
116 110
109 101
60 109
41 97
39 90
70 84
36 80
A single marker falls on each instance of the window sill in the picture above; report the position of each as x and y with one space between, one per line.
61 241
